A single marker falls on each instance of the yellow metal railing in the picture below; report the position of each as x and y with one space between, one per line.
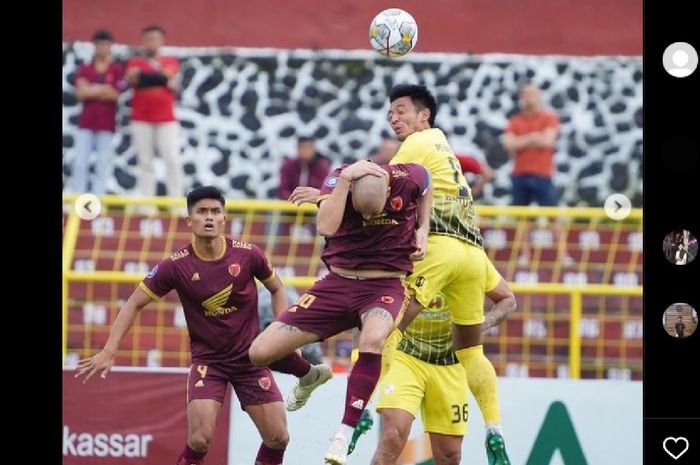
251 214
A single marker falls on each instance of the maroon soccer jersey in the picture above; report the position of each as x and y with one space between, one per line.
99 115
386 241
219 297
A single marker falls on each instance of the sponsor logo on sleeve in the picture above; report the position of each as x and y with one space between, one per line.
153 272
331 181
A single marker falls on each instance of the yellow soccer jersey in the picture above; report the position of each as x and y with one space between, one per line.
453 206
429 336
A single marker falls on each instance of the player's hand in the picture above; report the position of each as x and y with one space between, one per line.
100 362
362 168
304 194
421 243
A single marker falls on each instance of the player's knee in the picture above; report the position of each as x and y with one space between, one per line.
277 440
258 355
448 457
393 439
199 440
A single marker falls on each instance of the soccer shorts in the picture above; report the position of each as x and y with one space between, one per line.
253 385
461 271
439 391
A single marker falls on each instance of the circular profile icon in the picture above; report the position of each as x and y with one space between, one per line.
680 59
680 320
680 247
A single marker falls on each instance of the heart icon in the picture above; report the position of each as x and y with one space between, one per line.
675 443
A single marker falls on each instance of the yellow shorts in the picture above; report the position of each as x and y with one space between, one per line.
461 271
440 391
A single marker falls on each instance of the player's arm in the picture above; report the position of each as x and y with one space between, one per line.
278 294
425 206
504 304
331 209
84 90
103 360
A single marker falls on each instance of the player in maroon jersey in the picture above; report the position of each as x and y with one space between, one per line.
214 279
368 215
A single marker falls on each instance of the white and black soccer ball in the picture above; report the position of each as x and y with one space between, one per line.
393 33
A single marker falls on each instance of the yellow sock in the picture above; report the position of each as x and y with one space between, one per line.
482 380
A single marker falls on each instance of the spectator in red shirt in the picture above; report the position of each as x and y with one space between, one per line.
530 138
98 85
153 123
482 172
309 168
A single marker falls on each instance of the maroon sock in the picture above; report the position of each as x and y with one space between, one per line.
292 364
267 456
190 457
361 384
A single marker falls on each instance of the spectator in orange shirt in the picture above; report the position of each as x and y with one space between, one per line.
153 122
530 138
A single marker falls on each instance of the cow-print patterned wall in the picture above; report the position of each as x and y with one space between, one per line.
241 111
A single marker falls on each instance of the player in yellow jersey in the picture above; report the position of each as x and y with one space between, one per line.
455 263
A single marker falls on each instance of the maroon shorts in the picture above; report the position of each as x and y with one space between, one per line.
253 385
335 303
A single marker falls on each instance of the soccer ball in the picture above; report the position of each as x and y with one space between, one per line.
393 33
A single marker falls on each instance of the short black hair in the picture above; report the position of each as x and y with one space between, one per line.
204 192
420 96
152 28
303 139
102 34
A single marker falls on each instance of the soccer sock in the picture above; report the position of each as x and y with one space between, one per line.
292 364
482 380
267 456
363 378
190 457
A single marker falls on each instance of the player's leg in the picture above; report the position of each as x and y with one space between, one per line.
271 422
401 393
447 449
445 411
260 397
206 389
396 425
478 275
381 303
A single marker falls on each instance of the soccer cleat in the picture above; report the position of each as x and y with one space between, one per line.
300 394
496 449
362 427
338 451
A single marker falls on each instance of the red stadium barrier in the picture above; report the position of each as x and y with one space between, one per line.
134 417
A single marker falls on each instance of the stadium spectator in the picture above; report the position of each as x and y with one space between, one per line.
680 327
98 85
153 123
309 168
481 171
530 138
